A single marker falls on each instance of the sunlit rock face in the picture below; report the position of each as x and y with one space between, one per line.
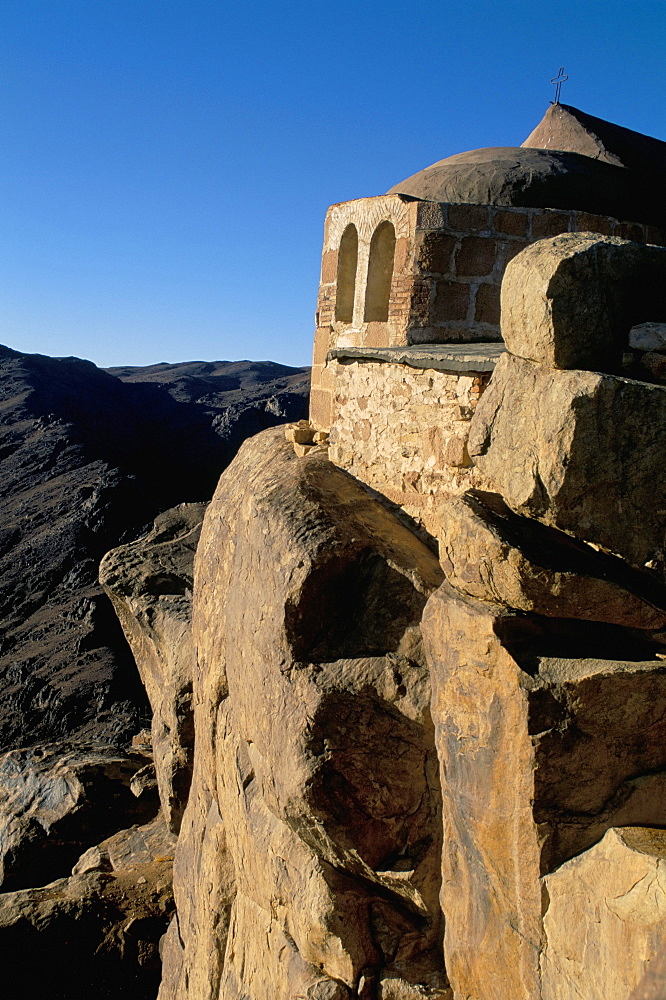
308 860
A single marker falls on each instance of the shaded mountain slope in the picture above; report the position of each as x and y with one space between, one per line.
88 457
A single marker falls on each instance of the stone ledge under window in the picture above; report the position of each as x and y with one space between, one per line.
474 357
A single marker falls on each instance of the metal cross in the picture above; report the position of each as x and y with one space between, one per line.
558 81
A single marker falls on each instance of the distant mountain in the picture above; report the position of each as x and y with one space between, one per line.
88 458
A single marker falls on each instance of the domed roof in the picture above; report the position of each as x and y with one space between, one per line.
528 177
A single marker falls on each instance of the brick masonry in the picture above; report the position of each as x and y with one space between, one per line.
403 431
448 267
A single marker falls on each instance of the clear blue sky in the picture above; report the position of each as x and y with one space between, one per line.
165 165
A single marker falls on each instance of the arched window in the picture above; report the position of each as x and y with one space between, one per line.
346 280
380 272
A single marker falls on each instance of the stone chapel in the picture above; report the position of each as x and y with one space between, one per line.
408 313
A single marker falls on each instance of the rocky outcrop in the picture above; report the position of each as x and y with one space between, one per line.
98 931
586 453
549 731
308 859
547 653
55 801
150 585
491 553
605 925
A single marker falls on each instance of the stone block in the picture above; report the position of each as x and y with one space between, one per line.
548 733
321 408
512 248
301 450
655 235
630 231
329 266
585 222
487 304
578 450
493 554
466 218
648 337
419 306
435 252
570 301
451 301
510 223
652 367
476 256
322 339
454 452
545 224
299 435
605 925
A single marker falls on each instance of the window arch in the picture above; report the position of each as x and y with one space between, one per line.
346 279
380 273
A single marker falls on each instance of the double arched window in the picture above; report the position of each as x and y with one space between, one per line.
380 273
346 280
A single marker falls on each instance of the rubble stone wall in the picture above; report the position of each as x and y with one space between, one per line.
403 431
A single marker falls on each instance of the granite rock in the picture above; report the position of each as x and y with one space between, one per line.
489 552
308 859
570 301
57 801
605 926
150 584
548 731
648 337
93 934
586 454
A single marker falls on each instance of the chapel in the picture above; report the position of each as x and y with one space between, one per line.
410 288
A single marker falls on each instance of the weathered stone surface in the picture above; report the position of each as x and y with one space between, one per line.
150 585
314 746
648 337
489 552
652 367
586 453
96 934
605 926
56 801
138 845
403 431
548 733
571 301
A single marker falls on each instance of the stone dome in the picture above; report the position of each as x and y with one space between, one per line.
533 178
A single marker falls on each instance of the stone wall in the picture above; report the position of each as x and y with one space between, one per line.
460 253
403 431
448 268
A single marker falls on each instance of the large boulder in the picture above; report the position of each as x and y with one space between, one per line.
56 801
549 731
150 584
605 923
571 301
308 860
489 552
586 453
95 933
